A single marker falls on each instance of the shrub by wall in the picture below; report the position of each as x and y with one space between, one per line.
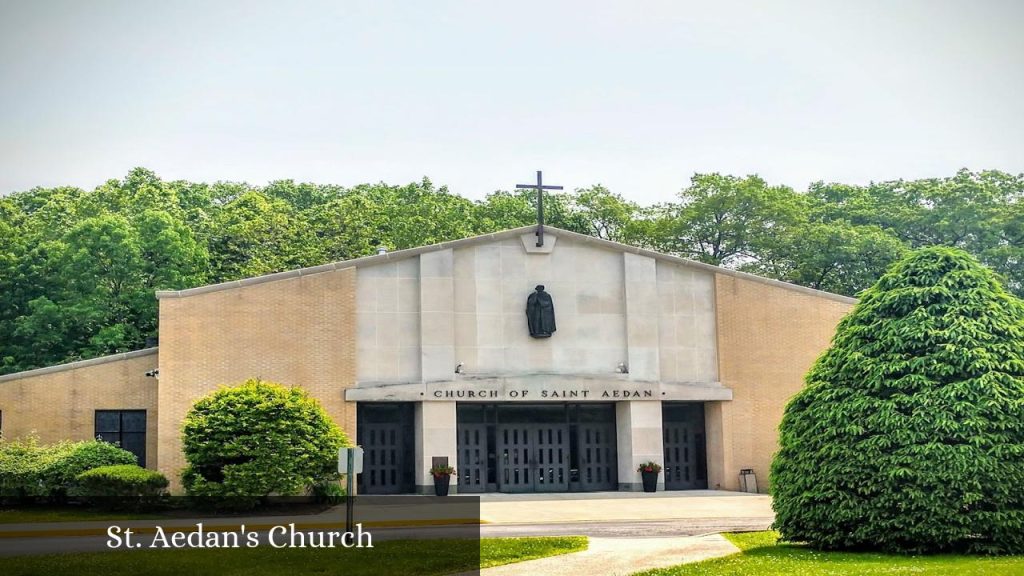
247 442
122 486
909 434
29 470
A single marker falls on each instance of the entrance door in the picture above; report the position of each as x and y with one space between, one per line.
550 457
385 431
472 446
598 464
383 459
533 457
685 453
514 458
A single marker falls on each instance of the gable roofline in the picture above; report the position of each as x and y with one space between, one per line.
78 364
496 236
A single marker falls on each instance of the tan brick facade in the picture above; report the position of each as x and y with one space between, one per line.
768 337
295 331
60 403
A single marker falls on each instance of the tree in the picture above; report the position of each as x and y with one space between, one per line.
724 220
502 210
260 438
909 434
834 256
91 308
608 215
255 234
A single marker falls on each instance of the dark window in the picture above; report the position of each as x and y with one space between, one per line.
126 428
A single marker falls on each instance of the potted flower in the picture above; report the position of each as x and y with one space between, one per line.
441 475
649 472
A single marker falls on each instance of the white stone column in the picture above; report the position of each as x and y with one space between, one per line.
638 427
642 317
435 436
437 315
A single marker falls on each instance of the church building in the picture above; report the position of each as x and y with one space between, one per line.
557 365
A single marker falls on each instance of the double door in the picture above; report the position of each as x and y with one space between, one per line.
533 457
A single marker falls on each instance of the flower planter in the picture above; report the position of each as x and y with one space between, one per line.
441 485
650 481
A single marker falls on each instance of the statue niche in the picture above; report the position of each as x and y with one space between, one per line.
540 313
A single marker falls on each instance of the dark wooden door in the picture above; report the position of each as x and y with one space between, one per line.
681 452
472 446
598 463
383 458
514 458
533 457
550 457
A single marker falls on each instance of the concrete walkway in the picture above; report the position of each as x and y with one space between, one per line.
621 556
624 506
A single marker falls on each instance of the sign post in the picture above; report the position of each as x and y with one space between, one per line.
350 463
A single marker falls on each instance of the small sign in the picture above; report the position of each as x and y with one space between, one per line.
357 460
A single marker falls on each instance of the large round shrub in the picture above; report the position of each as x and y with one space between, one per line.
909 435
258 439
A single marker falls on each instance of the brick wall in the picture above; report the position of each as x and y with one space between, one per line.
297 331
60 403
768 337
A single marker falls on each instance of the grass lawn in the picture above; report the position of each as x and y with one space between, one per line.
762 556
412 557
66 514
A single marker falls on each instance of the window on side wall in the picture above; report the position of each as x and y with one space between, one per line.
126 428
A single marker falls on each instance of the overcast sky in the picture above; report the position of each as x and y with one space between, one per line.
478 95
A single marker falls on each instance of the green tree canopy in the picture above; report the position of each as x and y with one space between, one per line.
78 268
909 434
724 219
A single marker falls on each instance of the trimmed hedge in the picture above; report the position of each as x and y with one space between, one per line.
32 471
125 485
245 443
909 435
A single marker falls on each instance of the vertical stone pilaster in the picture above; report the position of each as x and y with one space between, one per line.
435 436
437 315
641 290
720 466
639 431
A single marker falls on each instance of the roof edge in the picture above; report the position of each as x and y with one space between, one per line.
79 364
341 265
504 234
707 267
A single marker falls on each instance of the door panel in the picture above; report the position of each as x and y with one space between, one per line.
472 446
685 454
598 460
514 458
550 459
383 459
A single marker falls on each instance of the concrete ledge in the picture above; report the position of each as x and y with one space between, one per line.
499 389
79 364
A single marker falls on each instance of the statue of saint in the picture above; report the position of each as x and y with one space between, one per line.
540 314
